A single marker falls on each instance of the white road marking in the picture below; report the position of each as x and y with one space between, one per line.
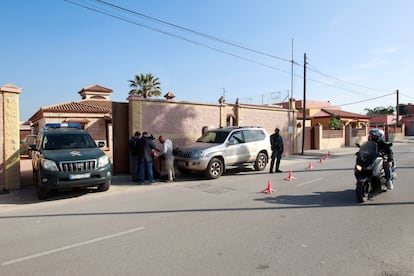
71 246
307 182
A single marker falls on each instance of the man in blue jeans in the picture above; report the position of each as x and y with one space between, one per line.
145 154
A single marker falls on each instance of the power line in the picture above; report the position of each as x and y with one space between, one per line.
176 36
406 96
110 14
193 31
362 101
316 70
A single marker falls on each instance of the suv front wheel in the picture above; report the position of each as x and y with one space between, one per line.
42 193
104 186
214 169
261 162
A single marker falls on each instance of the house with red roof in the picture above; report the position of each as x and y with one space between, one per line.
320 113
93 112
409 120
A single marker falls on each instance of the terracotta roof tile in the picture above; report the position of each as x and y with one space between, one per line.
96 88
324 112
345 114
80 107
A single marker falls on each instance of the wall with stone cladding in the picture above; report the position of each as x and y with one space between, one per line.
1 142
10 138
1 137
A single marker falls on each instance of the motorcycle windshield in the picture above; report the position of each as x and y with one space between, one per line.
368 150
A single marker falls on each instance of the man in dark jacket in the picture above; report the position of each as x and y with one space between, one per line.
276 142
133 155
146 149
378 136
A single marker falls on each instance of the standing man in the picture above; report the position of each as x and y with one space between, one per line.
133 155
167 151
145 154
276 142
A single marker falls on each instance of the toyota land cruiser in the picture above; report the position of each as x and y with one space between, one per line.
220 148
66 156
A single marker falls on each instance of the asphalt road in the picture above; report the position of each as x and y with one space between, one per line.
311 225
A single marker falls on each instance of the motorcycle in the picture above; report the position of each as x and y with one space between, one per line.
369 172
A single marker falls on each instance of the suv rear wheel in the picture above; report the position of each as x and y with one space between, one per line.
261 162
214 169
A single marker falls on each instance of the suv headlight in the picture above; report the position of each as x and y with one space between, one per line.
198 154
103 161
49 165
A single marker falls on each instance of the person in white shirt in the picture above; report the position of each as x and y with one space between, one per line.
167 151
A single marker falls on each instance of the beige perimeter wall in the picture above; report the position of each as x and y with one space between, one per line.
183 121
9 137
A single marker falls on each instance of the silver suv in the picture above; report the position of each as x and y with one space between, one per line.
223 147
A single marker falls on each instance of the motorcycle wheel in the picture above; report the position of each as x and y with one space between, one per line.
362 190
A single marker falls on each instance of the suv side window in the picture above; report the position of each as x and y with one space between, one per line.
254 135
249 135
236 138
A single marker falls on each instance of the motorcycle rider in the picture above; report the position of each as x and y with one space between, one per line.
377 135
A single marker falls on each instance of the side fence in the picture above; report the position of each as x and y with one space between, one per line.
349 137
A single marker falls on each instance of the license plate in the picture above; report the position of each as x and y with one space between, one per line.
182 163
79 176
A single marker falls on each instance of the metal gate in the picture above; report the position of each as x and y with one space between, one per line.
120 135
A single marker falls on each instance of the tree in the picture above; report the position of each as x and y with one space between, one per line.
335 122
145 86
403 110
380 111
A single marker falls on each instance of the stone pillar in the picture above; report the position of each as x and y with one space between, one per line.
135 115
222 115
10 135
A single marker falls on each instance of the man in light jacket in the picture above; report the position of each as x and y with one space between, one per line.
167 151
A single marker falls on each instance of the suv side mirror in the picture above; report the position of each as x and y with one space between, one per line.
101 144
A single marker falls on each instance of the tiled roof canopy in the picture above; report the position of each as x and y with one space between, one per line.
95 100
80 107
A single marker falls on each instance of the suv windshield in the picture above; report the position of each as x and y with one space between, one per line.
215 136
67 141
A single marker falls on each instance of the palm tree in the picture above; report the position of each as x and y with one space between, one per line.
145 86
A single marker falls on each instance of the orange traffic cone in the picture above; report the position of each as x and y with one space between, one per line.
269 189
290 176
310 167
320 160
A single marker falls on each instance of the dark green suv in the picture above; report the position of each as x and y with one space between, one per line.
66 156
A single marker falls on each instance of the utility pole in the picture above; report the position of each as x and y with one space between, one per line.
292 122
398 109
291 81
304 103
